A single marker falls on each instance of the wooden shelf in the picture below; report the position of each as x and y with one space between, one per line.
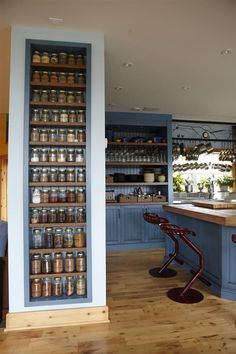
137 184
134 204
128 164
79 87
55 205
53 250
79 164
110 143
58 67
57 104
57 275
39 143
58 124
38 226
57 184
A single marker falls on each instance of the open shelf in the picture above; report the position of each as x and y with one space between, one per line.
78 164
111 143
58 67
40 84
58 124
57 104
57 184
56 275
47 143
36 226
128 164
137 184
55 205
53 250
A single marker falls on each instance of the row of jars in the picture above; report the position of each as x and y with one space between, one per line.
57 263
57 116
58 77
58 215
60 174
57 58
57 286
57 135
58 238
55 96
57 155
61 195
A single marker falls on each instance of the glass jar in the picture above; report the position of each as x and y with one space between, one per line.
47 287
79 97
35 216
69 264
36 196
36 288
53 77
45 58
80 59
58 238
54 58
81 79
61 136
36 57
70 136
62 58
80 195
45 77
34 135
70 215
44 196
70 97
69 286
62 96
53 196
55 116
79 238
35 96
70 155
64 116
52 216
80 262
79 155
62 174
68 238
37 238
43 216
72 117
61 155
35 176
81 175
35 115
62 78
81 285
52 176
71 59
57 287
52 156
71 78
43 157
62 195
44 175
80 116
48 237
52 135
43 135
46 263
81 137
80 215
52 96
36 76
70 175
45 115
71 195
61 215
44 96
36 264
57 263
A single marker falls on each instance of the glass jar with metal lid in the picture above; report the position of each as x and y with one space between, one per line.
81 137
80 59
45 58
61 96
70 175
36 196
71 78
45 115
43 216
37 238
69 286
52 216
46 263
62 58
81 79
58 238
61 174
70 97
55 117
35 115
52 135
57 263
54 58
47 287
68 238
43 135
64 116
53 196
81 285
80 262
52 156
80 116
61 136
70 155
57 287
36 96
44 195
79 155
54 77
34 135
71 59
36 288
34 155
70 136
79 97
36 57
72 117
79 238
45 77
52 175
80 195
43 157
69 264
62 215
71 195
62 78
35 216
44 96
36 77
81 215
48 237
62 195
52 96
61 155
70 215
35 175
81 175
36 264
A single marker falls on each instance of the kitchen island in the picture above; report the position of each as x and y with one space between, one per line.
215 229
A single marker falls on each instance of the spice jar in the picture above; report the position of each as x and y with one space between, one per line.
37 238
71 78
55 116
72 117
36 264
81 175
81 79
68 238
58 238
36 57
61 215
44 195
80 215
69 264
53 77
61 174
80 59
34 135
57 263
61 136
52 176
70 136
62 96
81 137
35 216
62 195
35 115
69 286
70 155
43 135
81 285
47 287
71 59
80 262
57 287
44 96
80 195
64 116
70 97
52 216
52 135
79 156
43 216
43 157
36 76
44 175
36 196
71 195
35 175
46 263
45 59
61 155
62 78
62 58
79 97
79 238
45 77
36 288
80 116
35 96
52 156
52 96
54 58
45 115
48 237
70 175
70 215
53 196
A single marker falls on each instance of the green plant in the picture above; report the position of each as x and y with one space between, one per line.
206 182
178 182
225 181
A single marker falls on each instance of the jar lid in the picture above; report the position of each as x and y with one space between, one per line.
62 53
53 170
58 254
80 254
71 131
70 150
70 93
72 111
37 231
53 91
62 73
62 190
47 255
36 110
62 210
45 111
53 150
57 279
35 170
34 211
58 229
62 169
53 73
36 280
69 254
45 72
36 255
36 91
44 150
53 190
71 55
45 53
55 111
54 55
62 91
71 74
44 211
49 229
45 91
62 130
79 229
64 111
36 52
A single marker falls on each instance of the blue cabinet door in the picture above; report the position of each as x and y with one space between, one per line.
113 234
132 226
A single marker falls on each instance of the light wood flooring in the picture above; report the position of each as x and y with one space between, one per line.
143 319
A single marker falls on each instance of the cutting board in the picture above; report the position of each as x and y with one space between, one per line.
214 205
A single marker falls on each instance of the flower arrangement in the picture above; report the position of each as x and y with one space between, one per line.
225 181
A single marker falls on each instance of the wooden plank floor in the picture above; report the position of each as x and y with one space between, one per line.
143 319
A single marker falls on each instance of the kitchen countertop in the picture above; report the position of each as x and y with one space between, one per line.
225 217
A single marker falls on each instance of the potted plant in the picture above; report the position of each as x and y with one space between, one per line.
178 183
225 182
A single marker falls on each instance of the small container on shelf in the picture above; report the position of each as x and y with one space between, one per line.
47 287
79 97
35 216
58 238
36 77
52 156
52 135
81 216
55 117
37 238
36 264
69 263
62 215
35 155
80 195
70 97
69 286
44 97
62 78
62 195
61 96
48 237
70 155
79 238
70 136
45 77
80 262
70 175
80 59
46 263
45 58
62 135
81 177
68 238
62 58
35 115
80 116
81 137
57 263
70 215
43 135
45 115
53 77
43 218
81 79
71 197
71 59
72 116
43 156
34 135
61 174
53 196
79 155
81 285
44 175
44 195
61 155
64 116
53 175
52 216
36 57
53 96
35 175
36 288
36 96
54 58
36 197
57 287
71 78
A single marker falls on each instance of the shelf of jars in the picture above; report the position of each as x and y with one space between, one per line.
59 275
57 104
53 250
57 163
57 184
57 66
46 205
137 184
70 224
135 144
119 163
57 124
58 85
39 143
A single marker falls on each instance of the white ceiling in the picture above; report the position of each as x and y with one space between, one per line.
171 43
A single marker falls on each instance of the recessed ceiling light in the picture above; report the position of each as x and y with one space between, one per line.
137 109
226 51
186 87
55 20
118 88
128 64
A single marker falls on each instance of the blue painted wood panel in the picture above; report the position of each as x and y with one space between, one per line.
113 225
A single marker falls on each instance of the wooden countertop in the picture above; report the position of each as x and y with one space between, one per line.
225 217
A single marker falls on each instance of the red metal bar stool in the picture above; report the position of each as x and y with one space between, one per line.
162 272
185 294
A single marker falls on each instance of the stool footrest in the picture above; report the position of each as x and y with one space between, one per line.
192 296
